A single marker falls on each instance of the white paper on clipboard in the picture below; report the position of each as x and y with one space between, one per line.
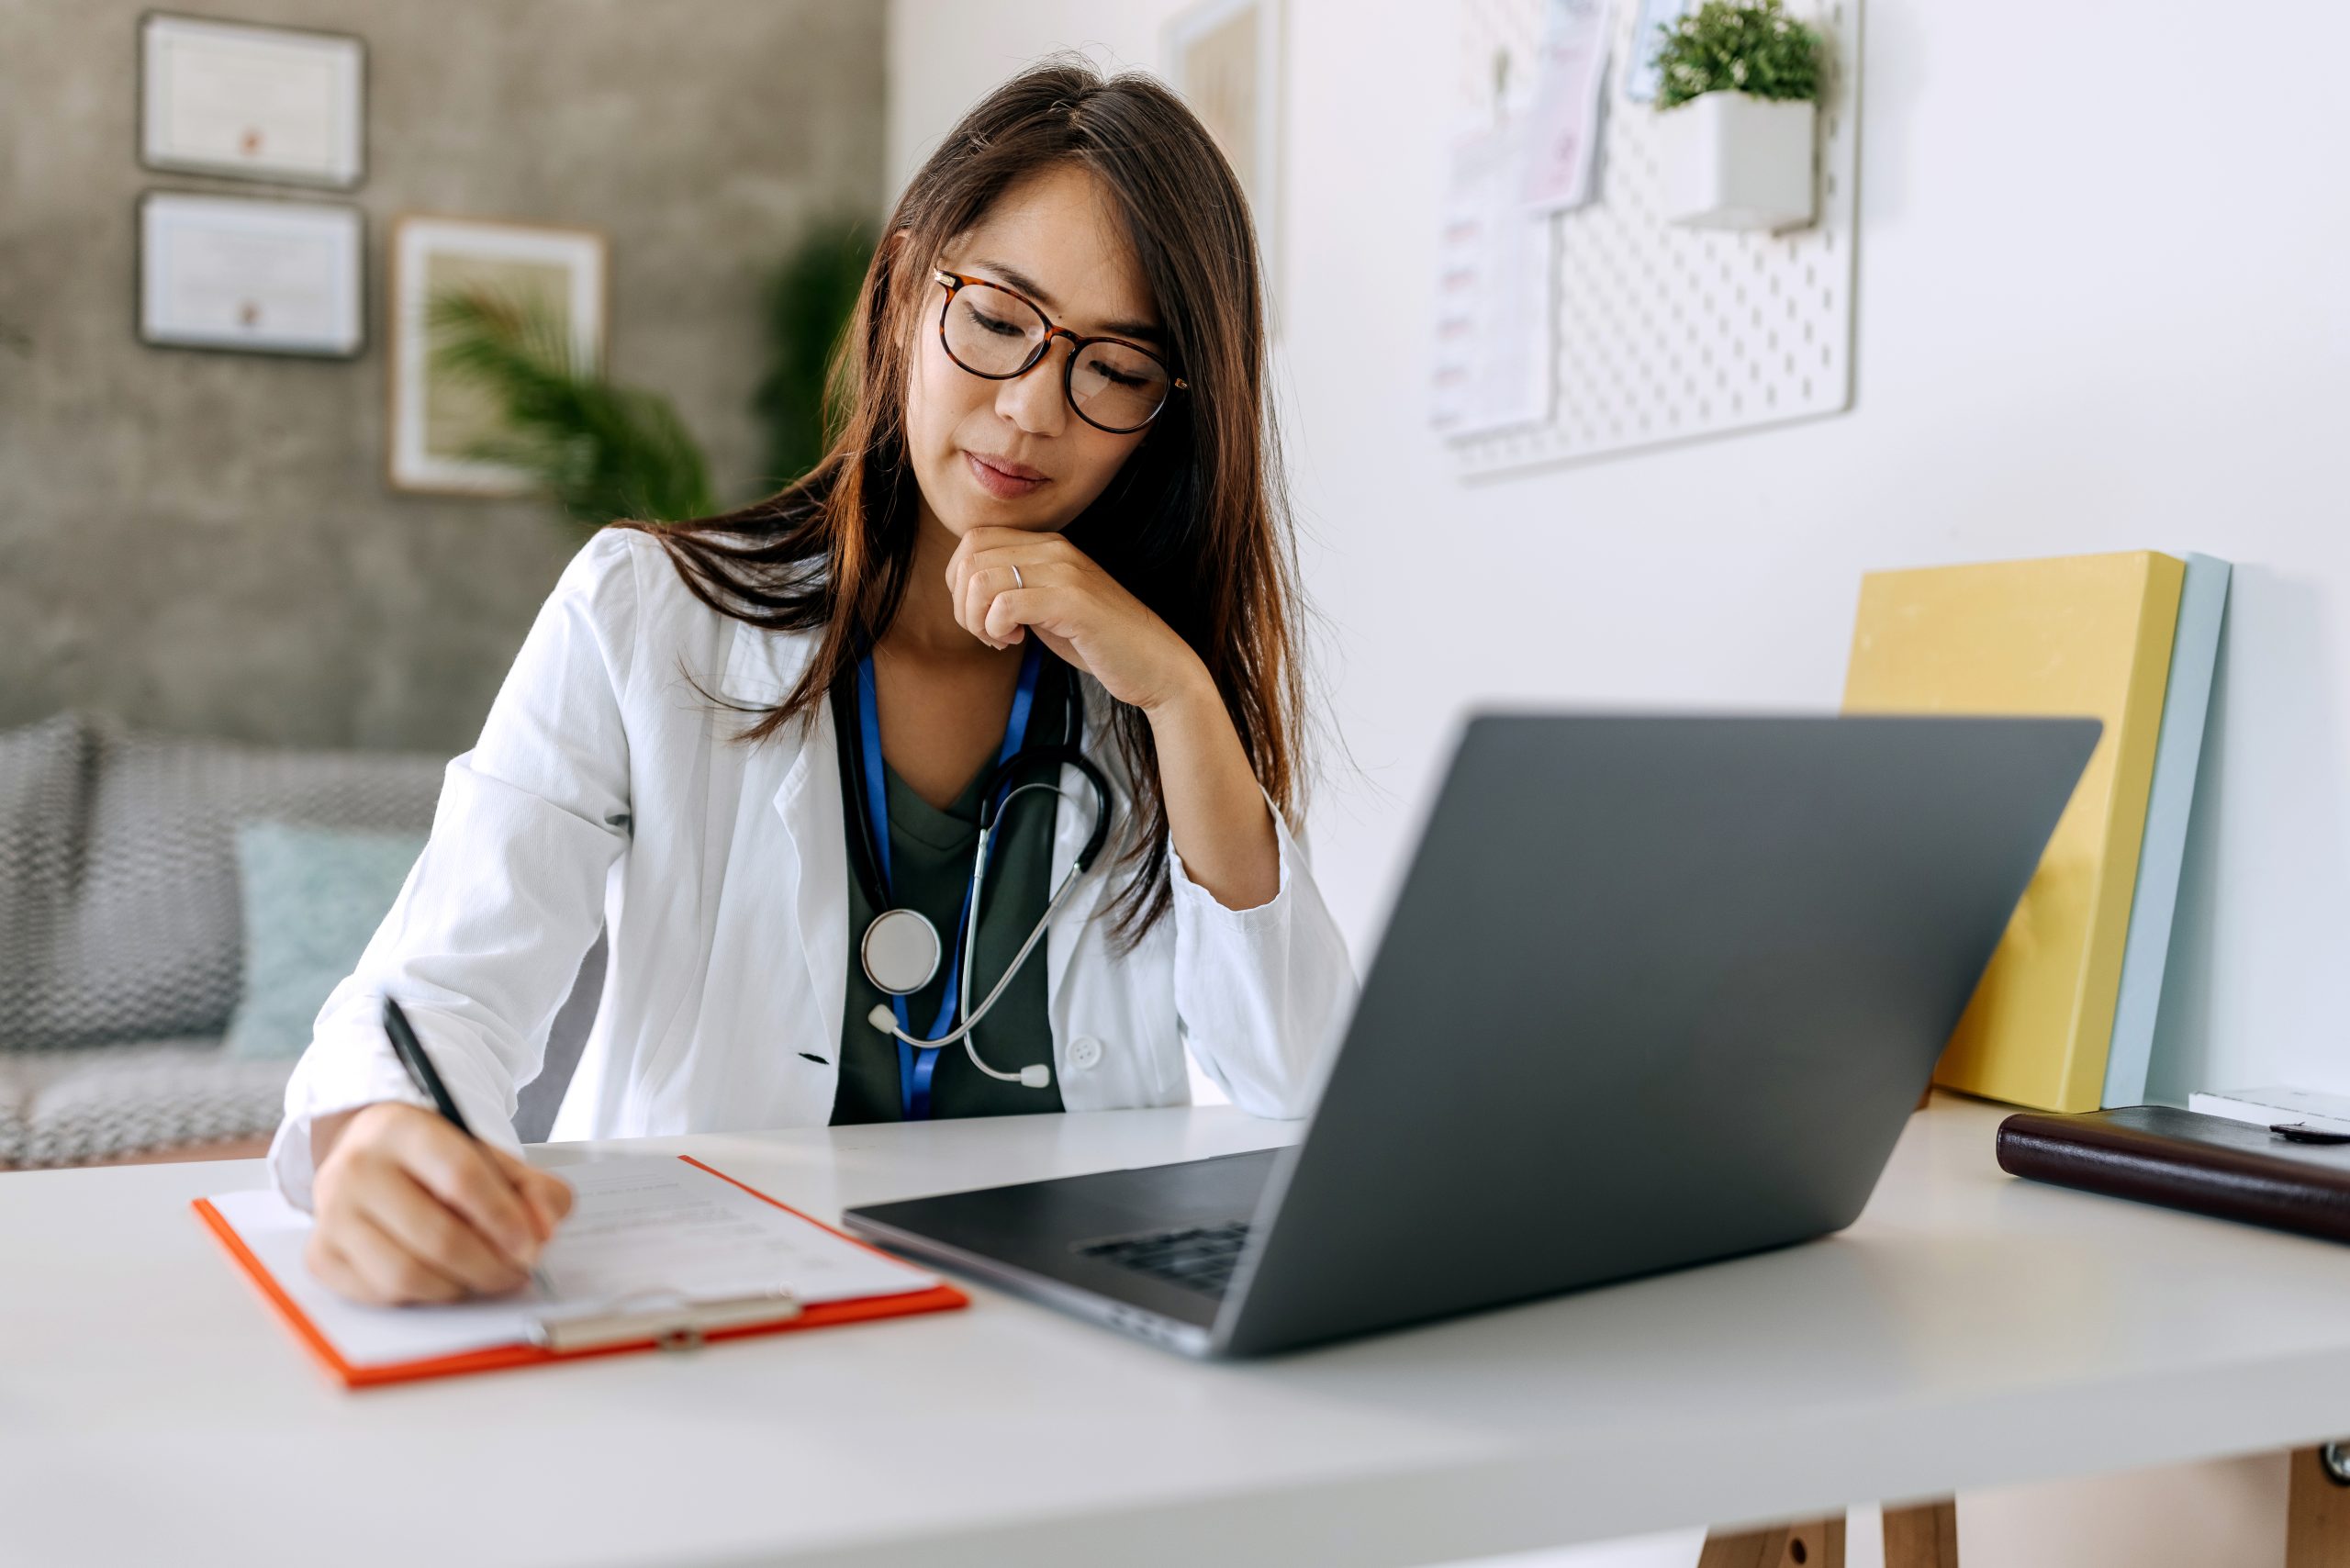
639 1226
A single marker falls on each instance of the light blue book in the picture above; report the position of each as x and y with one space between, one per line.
2178 750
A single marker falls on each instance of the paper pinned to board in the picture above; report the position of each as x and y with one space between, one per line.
1496 306
1493 304
1641 75
1562 151
648 1225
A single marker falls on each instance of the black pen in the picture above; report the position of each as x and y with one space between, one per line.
410 1050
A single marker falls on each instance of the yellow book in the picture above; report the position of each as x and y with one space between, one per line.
2081 634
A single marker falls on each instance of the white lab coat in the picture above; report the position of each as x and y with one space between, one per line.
604 791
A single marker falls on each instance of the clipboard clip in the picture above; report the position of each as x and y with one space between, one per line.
668 1322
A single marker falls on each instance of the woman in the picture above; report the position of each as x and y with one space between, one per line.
1048 526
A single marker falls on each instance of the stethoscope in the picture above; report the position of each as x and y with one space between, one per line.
900 949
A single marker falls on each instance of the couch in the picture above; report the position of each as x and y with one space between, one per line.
120 934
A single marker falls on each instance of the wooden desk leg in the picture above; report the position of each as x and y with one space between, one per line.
2317 1515
1815 1543
1922 1535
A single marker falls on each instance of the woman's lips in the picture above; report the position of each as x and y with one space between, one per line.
1002 483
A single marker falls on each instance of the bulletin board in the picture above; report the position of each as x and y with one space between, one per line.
1663 333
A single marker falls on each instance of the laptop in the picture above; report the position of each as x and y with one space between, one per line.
1654 992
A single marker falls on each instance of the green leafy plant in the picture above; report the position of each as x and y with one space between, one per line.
600 450
1737 46
810 301
603 451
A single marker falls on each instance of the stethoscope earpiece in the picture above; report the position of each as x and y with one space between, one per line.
1035 1075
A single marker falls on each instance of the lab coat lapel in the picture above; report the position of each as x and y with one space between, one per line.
809 802
762 667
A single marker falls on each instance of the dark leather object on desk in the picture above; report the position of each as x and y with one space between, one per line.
2207 1165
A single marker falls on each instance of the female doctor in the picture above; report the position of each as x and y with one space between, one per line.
1042 583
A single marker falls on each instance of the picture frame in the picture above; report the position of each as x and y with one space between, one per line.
257 275
1224 58
249 101
432 417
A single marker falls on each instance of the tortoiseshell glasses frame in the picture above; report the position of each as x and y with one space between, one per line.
1170 383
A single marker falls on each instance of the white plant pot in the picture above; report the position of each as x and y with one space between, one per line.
1730 161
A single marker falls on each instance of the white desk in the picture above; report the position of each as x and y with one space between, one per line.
1969 1331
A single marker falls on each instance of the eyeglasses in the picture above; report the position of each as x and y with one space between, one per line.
994 332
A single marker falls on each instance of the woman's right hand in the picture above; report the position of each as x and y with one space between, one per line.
410 1209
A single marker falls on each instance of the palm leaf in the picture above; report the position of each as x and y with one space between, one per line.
601 450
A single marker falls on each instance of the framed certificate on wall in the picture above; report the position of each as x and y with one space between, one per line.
257 102
442 422
253 274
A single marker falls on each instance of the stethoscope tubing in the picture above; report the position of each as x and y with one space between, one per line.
891 1018
972 1015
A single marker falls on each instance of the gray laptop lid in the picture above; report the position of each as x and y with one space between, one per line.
1654 991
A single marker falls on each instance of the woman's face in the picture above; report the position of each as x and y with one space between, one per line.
1013 453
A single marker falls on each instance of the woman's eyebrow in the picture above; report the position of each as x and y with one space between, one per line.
1029 286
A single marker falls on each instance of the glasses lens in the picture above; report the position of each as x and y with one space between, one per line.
1117 388
989 332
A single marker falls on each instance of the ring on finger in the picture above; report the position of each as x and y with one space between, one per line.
1017 581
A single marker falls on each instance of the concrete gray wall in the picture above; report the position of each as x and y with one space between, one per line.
204 542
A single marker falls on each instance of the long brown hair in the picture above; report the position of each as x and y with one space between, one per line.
1194 525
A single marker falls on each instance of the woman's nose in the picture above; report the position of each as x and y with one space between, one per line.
1033 400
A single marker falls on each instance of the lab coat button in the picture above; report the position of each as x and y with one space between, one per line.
1084 1051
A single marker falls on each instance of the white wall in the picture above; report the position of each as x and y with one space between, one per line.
2100 308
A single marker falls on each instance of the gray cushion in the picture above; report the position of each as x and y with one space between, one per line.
148 943
45 773
64 1107
119 923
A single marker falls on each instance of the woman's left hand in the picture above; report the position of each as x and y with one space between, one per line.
1080 612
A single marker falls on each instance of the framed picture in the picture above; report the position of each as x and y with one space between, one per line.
1224 58
244 272
437 419
259 103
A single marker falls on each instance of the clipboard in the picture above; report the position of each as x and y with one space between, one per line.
625 1324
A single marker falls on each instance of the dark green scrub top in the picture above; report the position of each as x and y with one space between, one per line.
930 867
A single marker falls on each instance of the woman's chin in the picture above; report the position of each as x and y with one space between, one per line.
969 505
988 512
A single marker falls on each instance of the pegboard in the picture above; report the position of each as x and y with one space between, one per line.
1664 333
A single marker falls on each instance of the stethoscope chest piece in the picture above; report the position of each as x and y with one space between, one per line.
900 952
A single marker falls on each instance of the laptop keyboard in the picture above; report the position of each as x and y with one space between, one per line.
1198 1257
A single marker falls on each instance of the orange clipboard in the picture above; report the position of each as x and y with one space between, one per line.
496 1358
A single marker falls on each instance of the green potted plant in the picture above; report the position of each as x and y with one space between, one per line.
811 297
1737 104
599 450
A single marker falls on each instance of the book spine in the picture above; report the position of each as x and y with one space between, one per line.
2162 853
2222 1183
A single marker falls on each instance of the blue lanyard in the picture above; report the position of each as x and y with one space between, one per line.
915 1066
